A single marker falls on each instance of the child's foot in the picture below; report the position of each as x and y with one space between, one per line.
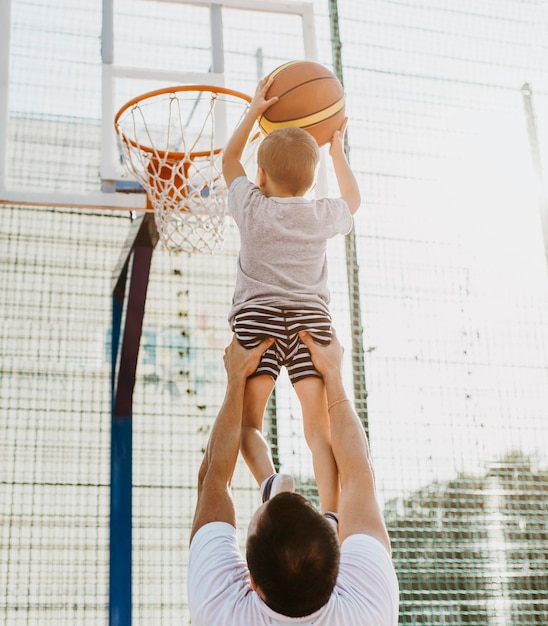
275 484
333 519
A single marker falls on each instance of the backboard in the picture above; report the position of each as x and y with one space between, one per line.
58 146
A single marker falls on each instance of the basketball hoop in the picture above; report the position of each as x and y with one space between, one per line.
171 140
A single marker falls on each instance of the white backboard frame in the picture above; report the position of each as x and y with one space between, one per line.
110 197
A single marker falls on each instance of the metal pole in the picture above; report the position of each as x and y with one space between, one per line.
537 164
137 252
107 94
5 28
352 267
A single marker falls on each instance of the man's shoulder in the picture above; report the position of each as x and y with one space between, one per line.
219 588
362 538
217 572
213 530
367 577
366 553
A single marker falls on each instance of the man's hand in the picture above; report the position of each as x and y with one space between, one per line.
327 359
241 362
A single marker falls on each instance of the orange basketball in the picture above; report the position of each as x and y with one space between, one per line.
310 97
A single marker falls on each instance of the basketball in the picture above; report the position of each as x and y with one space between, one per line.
310 97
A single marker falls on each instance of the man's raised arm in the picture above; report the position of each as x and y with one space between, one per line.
359 510
215 502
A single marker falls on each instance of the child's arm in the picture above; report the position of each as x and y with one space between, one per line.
348 185
232 166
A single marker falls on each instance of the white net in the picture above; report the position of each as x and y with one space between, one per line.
171 141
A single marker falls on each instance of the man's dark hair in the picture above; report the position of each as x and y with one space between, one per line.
293 556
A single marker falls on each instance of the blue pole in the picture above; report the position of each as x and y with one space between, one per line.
139 250
120 522
120 482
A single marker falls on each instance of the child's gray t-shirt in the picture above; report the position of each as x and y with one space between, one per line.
283 242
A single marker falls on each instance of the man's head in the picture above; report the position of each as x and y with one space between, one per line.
290 156
293 555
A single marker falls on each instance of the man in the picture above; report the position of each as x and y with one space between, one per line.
295 570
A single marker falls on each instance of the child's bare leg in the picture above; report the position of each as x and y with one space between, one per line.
253 445
317 432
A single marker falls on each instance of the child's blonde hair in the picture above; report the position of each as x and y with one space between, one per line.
290 157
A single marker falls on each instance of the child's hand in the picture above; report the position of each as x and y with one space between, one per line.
259 104
336 145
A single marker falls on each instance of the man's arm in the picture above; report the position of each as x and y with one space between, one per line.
359 510
348 185
215 502
232 154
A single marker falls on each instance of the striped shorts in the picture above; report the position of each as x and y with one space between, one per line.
252 325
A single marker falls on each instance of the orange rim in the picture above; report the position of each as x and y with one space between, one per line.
165 154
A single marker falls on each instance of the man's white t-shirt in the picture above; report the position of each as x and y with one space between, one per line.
220 593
